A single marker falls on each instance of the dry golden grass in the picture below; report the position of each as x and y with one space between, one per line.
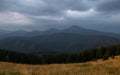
109 67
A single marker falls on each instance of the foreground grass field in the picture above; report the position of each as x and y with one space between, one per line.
108 67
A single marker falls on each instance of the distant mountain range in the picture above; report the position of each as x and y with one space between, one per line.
72 39
73 29
3 32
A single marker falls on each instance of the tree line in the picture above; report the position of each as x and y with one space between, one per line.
82 56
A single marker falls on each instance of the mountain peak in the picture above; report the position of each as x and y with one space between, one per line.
52 29
20 31
75 29
35 31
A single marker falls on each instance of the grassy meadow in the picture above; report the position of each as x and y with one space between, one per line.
108 67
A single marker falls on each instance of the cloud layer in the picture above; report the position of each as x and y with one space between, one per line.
42 14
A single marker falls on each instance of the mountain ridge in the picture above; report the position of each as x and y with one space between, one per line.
72 29
72 39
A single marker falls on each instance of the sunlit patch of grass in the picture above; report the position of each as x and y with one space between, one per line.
10 73
84 65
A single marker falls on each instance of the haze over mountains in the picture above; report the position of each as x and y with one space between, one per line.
72 39
72 29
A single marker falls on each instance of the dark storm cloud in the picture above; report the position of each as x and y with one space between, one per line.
42 7
6 5
109 6
3 5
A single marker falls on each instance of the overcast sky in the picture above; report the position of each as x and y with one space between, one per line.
43 14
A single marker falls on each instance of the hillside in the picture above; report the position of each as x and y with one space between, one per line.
72 39
60 42
99 67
